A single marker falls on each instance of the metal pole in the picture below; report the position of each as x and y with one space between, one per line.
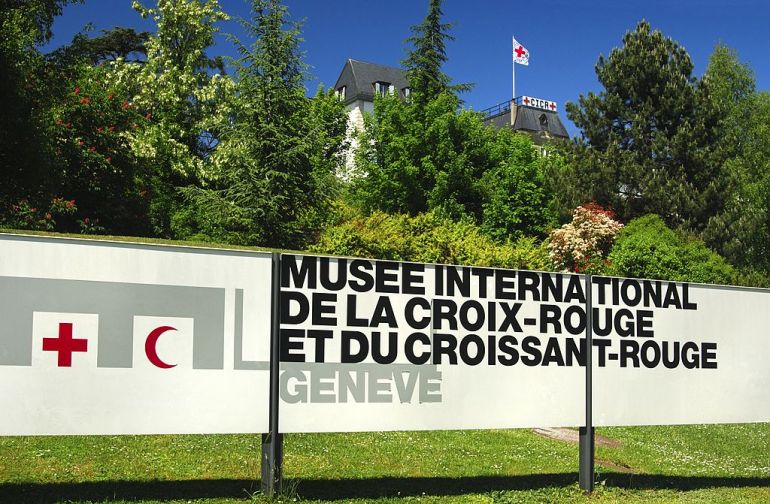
513 73
587 447
272 442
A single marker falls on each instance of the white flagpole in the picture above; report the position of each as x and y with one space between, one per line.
513 72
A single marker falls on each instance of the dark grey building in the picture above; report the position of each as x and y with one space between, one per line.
360 80
538 118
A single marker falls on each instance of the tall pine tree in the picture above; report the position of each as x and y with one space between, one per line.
646 143
269 186
427 55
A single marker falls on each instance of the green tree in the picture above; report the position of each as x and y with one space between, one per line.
647 248
646 139
427 154
94 122
516 196
117 43
26 164
181 100
446 160
275 160
742 231
427 55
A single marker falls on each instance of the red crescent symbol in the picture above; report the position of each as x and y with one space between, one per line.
151 351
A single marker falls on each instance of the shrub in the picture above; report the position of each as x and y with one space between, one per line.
583 244
428 238
646 248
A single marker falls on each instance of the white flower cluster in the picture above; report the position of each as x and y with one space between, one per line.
590 235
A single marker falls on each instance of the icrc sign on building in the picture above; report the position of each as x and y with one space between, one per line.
116 338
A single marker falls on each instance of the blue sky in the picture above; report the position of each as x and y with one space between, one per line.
564 37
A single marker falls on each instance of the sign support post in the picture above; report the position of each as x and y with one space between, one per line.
587 447
272 442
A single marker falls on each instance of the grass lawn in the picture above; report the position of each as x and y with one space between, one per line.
722 463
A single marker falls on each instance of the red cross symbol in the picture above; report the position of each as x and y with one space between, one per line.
552 105
520 51
65 344
526 100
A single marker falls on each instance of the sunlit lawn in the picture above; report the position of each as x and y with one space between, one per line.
651 464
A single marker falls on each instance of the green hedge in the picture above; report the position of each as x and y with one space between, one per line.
647 248
431 239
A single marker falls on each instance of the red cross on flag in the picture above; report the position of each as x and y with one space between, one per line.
520 54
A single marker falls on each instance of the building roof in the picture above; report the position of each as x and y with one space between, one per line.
359 78
538 120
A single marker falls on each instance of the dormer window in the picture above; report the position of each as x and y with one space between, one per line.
543 122
406 92
341 92
382 88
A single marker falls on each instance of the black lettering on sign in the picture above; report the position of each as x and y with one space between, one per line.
352 318
475 356
298 276
552 353
377 355
320 336
708 354
383 313
360 278
482 274
324 304
505 284
348 339
575 320
510 321
550 315
412 278
444 344
458 279
326 278
532 354
575 290
529 282
507 346
472 315
387 277
289 344
417 313
444 310
290 299
411 353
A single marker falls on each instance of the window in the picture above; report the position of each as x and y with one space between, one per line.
544 122
341 92
406 92
382 88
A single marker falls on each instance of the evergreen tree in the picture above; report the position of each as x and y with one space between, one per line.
427 56
268 188
117 43
646 139
742 231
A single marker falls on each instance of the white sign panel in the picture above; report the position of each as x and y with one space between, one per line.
529 101
116 338
378 345
680 354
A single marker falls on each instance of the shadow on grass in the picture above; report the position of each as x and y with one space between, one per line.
370 488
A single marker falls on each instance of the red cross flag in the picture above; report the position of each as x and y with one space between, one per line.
520 54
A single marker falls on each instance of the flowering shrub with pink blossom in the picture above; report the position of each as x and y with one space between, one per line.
582 245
